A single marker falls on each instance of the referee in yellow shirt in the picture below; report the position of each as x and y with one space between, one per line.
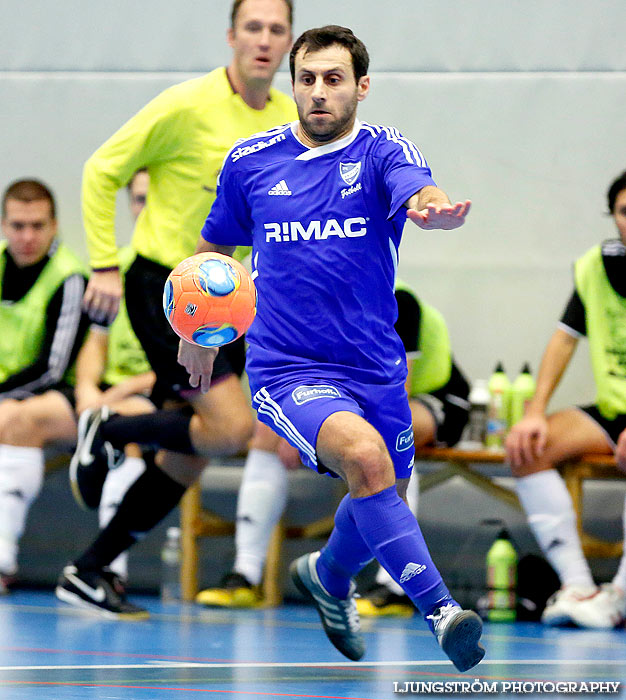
181 137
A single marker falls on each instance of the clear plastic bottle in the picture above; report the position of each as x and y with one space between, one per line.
522 391
501 579
498 415
171 556
477 423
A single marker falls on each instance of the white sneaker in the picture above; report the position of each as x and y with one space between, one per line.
605 610
559 610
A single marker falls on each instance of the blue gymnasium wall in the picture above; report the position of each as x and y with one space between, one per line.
517 105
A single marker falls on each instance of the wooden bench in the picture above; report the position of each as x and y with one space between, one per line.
471 465
464 463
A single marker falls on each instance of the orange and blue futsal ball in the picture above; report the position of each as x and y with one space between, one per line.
209 299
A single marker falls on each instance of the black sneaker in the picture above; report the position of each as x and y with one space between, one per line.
381 602
92 459
99 591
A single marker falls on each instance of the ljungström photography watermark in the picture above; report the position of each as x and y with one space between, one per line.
482 687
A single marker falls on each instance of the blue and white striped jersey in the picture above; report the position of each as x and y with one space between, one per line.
325 224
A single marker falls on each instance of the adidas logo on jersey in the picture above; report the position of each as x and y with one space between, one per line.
280 188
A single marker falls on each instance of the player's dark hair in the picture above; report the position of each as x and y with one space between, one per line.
237 4
616 187
321 38
129 185
28 191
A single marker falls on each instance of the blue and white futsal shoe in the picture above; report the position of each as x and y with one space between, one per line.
458 632
339 616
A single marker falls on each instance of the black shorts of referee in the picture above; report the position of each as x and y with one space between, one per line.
144 284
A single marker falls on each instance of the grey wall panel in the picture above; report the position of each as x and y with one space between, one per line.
404 35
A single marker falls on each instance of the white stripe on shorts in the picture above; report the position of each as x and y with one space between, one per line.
269 407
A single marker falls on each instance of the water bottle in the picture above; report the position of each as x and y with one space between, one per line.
501 579
171 556
522 391
498 414
477 423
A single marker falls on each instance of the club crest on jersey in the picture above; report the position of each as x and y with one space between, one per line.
302 394
350 172
404 441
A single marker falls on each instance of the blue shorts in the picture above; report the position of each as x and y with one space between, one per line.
295 406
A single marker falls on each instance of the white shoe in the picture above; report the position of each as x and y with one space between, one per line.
559 610
605 610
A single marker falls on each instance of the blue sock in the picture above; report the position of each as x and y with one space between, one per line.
390 529
345 553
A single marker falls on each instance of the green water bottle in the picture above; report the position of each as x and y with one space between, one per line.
498 414
501 579
522 391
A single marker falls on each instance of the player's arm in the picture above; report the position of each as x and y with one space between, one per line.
430 208
198 361
90 366
140 384
205 246
527 439
143 140
229 224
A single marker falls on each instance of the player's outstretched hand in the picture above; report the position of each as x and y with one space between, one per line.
102 296
442 216
198 362
526 440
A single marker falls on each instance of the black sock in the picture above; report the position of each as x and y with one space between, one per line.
144 505
168 430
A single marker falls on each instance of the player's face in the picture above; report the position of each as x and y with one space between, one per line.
29 229
260 38
619 214
326 94
138 193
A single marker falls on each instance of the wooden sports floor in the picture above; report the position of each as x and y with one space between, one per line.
51 651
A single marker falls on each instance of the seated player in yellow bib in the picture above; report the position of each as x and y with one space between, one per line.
539 442
42 283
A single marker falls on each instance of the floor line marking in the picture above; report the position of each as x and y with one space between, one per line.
322 664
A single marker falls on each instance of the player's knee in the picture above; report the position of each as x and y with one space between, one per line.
547 460
367 463
19 430
239 433
7 414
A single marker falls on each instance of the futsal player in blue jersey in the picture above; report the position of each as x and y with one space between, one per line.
323 202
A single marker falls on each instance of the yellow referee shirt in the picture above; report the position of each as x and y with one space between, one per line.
182 137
